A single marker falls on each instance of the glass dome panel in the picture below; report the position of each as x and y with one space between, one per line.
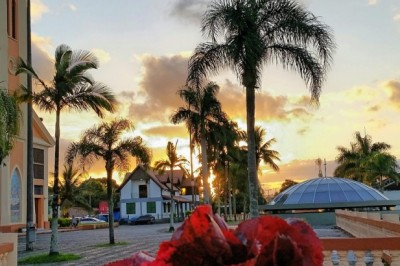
328 190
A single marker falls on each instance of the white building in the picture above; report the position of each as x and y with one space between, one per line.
144 191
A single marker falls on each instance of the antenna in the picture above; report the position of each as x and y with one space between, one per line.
318 162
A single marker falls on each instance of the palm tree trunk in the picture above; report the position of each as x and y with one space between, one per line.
56 196
251 156
204 162
171 217
30 230
110 203
230 194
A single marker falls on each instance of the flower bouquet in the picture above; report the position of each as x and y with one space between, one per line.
205 239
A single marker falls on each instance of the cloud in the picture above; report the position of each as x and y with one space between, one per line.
374 108
372 2
297 170
268 107
167 131
190 10
102 55
162 77
396 17
392 87
303 131
72 7
37 10
41 60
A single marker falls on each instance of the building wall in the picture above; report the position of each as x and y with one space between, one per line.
13 190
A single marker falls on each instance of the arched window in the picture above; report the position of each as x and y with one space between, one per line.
15 197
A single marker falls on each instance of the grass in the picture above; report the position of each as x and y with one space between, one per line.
45 258
111 245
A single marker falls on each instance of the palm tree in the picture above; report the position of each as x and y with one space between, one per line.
380 165
69 187
104 142
255 33
352 161
204 111
263 151
73 89
173 161
9 123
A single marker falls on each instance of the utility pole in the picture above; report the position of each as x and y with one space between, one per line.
30 228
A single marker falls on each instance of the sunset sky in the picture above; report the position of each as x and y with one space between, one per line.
144 46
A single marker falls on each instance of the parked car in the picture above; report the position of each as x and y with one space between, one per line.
90 220
143 219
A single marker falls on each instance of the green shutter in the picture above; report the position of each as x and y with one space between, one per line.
131 208
151 207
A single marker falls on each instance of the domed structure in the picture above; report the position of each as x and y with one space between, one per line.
328 193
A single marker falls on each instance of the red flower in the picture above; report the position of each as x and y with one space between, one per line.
205 239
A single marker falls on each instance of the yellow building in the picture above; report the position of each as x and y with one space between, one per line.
13 173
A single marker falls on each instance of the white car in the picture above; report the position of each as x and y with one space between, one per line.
90 220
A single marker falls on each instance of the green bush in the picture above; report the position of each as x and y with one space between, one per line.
63 222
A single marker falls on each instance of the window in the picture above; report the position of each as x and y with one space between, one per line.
142 191
131 208
14 19
38 190
8 17
151 207
38 163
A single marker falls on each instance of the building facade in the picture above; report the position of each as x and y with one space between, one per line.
144 191
13 173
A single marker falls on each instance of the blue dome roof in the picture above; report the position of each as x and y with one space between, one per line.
328 190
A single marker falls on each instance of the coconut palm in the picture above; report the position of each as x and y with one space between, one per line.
204 111
380 165
263 151
248 34
104 142
9 123
71 89
173 161
69 187
352 161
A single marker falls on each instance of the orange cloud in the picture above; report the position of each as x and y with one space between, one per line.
168 131
162 77
268 107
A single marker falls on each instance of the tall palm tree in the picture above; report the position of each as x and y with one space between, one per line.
363 159
73 89
244 36
205 110
173 161
9 123
104 142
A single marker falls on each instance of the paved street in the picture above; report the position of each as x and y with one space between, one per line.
83 242
139 237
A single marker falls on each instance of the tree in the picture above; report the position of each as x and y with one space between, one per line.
173 161
104 142
379 166
69 187
9 123
247 34
73 89
287 184
363 159
205 111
